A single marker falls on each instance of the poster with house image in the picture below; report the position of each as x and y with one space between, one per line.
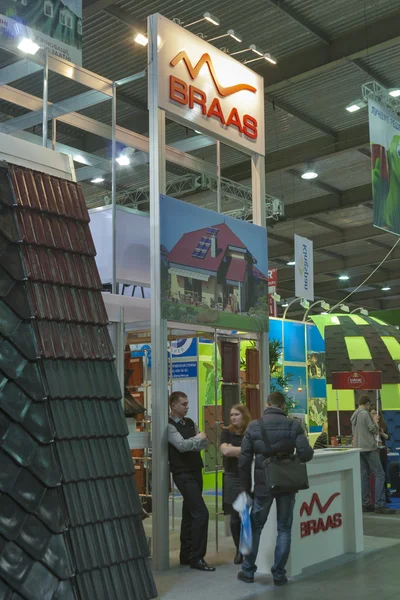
55 25
214 269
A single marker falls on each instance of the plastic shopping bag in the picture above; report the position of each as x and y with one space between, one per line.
242 505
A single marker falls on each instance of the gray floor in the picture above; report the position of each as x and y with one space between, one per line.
372 575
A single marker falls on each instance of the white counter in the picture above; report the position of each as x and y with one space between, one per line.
327 517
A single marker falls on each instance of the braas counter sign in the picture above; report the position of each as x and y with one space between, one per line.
206 89
315 508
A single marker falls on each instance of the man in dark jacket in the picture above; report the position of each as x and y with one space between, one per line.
285 436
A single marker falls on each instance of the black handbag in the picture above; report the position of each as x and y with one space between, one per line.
283 473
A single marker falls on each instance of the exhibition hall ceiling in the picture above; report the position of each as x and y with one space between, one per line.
325 52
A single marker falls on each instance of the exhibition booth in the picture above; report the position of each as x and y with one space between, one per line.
186 295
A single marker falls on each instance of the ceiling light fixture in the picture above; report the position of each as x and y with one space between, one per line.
256 50
355 106
394 92
310 172
97 180
123 160
230 33
28 46
141 39
386 288
267 56
285 304
206 17
291 263
344 277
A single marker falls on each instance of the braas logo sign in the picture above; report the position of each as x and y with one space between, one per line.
207 89
319 523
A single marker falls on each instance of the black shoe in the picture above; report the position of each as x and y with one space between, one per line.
238 558
201 565
388 500
245 578
382 510
184 562
367 509
279 582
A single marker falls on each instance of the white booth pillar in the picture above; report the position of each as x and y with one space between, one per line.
159 372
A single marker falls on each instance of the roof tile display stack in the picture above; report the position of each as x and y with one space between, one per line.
70 515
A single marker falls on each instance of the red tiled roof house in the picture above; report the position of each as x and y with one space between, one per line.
212 267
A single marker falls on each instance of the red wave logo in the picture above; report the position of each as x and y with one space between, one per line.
315 501
206 60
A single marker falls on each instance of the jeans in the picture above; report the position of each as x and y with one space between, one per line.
259 516
194 525
371 463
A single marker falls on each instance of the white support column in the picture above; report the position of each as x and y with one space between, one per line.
45 99
259 218
159 377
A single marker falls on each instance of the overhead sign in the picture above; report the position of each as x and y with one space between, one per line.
357 380
384 133
272 286
304 268
206 89
54 26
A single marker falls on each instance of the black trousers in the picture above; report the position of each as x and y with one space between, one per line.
235 527
384 462
194 526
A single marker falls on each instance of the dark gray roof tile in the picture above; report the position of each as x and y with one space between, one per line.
87 419
82 379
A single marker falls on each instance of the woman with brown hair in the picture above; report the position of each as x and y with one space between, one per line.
231 440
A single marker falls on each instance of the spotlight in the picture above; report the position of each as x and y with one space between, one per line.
291 263
211 19
344 308
309 173
234 35
256 50
285 304
386 288
270 58
97 180
141 39
355 106
344 277
28 46
123 160
394 92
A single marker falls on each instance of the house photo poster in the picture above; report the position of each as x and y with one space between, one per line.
214 269
55 25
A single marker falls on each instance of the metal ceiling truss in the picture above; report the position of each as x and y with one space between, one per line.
374 91
230 190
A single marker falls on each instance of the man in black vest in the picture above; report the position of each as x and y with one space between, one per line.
184 447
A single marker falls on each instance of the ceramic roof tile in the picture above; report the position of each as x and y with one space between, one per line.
33 416
82 379
108 543
30 577
95 458
117 496
126 580
87 419
48 194
66 468
54 266
10 258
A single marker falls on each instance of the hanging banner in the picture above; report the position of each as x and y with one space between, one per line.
304 268
54 26
214 269
384 134
272 287
206 89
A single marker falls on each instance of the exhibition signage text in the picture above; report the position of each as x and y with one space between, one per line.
304 268
317 510
206 89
